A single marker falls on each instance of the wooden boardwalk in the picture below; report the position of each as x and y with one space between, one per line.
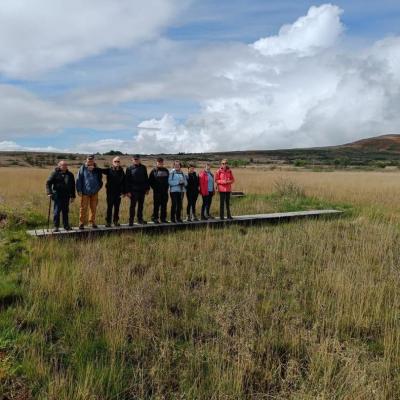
151 227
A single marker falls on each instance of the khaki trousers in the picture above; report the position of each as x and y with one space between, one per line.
91 203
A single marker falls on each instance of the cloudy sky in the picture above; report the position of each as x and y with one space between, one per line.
196 75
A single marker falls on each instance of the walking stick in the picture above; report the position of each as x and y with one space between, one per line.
48 215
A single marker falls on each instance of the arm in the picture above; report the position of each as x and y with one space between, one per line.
79 183
49 184
72 192
147 184
152 179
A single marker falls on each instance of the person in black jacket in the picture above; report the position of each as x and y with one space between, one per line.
192 193
115 187
158 181
60 186
136 188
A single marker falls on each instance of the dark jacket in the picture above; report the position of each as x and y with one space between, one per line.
61 184
136 179
193 183
89 182
115 180
158 179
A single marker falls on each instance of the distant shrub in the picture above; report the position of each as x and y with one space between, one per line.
238 163
300 163
288 188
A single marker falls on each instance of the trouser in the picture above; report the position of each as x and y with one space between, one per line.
136 198
160 201
88 201
176 205
205 207
224 199
113 202
61 206
191 206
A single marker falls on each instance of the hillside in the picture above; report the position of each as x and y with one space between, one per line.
383 143
383 150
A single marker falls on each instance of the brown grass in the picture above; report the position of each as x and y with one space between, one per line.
307 310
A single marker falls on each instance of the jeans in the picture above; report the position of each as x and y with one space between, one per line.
205 207
113 202
176 205
61 206
224 199
160 201
136 198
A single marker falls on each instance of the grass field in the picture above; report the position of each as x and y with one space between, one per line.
304 310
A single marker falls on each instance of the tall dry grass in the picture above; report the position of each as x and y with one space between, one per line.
307 310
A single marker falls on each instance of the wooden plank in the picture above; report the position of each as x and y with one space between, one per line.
151 227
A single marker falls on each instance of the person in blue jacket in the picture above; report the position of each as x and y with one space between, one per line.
89 181
177 187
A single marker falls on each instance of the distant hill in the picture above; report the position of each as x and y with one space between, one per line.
389 143
380 151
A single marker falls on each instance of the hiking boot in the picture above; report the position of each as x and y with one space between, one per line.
173 220
67 228
155 221
56 229
195 218
179 221
230 217
188 219
203 218
81 226
142 222
94 226
117 224
107 225
130 223
210 217
164 221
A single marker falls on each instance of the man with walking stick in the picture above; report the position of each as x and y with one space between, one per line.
60 187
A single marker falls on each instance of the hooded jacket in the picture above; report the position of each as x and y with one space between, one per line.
224 179
89 182
158 180
177 181
203 179
61 184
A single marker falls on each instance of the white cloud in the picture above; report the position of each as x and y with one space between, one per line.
9 145
36 36
297 89
24 114
319 29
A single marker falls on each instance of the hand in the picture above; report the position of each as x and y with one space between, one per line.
72 199
129 195
79 194
49 195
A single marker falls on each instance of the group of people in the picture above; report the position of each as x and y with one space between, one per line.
135 183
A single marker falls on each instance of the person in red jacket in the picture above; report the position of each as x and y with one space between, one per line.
224 180
206 184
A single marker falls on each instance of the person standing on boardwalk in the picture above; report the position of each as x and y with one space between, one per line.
192 193
60 186
177 183
224 180
206 183
158 181
115 188
89 181
136 187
